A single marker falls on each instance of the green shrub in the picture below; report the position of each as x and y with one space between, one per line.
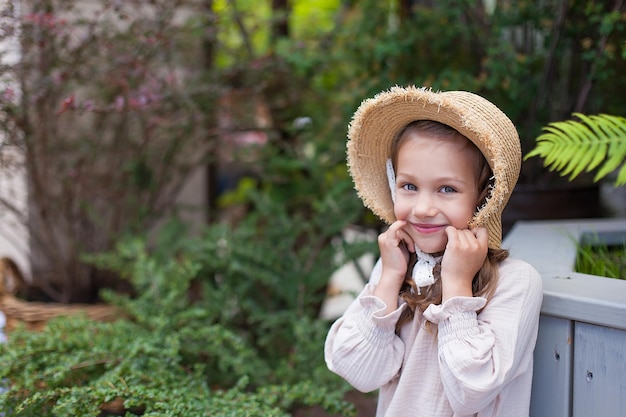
75 366
223 324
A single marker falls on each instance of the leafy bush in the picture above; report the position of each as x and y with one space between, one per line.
222 324
171 362
80 368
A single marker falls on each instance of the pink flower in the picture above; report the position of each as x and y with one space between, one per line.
67 104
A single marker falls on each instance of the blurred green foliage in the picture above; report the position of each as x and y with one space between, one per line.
222 324
226 323
538 61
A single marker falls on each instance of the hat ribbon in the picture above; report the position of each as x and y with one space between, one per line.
423 270
391 179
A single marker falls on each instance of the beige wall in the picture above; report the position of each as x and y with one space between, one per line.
14 238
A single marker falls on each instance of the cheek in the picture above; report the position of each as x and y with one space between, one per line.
466 214
401 209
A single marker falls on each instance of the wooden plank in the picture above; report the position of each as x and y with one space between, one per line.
551 390
599 371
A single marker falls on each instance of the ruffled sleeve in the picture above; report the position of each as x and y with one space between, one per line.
479 354
362 346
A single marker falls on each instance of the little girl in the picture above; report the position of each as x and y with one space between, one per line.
447 324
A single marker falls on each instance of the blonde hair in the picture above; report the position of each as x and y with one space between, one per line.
485 281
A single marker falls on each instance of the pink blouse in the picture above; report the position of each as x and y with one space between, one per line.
466 364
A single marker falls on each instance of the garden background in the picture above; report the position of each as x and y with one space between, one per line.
110 107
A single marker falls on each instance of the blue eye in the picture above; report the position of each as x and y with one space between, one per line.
409 187
446 189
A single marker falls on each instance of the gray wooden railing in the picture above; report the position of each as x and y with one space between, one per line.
580 358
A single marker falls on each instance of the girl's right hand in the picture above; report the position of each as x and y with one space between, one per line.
395 245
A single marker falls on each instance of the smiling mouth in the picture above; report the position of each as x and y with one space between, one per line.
427 228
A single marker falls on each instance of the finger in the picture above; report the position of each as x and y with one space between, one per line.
465 238
451 232
461 238
397 225
406 238
470 238
392 230
397 228
482 234
393 235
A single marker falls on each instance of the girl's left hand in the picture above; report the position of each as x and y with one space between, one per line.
465 254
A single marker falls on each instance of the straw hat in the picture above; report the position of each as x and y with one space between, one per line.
377 121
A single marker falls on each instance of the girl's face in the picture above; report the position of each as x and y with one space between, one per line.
436 187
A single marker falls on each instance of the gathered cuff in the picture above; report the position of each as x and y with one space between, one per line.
436 313
456 318
375 326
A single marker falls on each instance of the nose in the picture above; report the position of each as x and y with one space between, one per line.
424 206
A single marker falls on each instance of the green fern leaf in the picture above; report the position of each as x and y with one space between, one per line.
616 157
592 143
585 160
621 176
595 124
573 166
577 161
